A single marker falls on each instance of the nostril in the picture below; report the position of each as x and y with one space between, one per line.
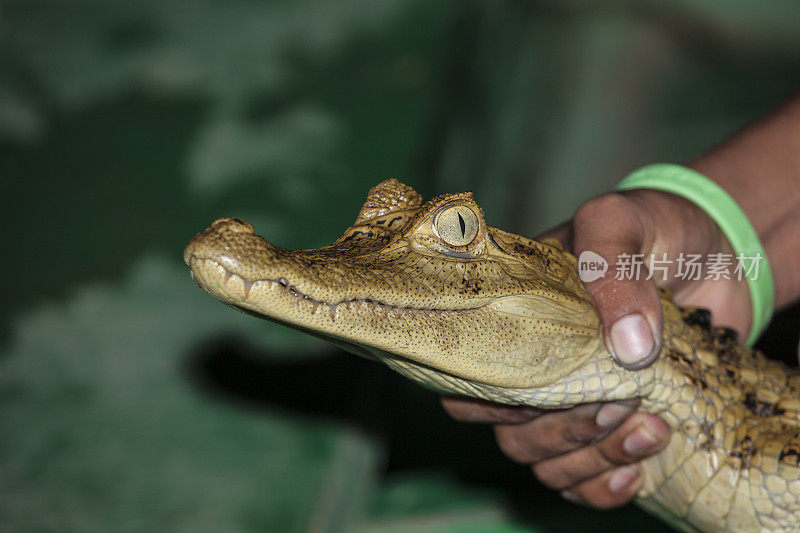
234 225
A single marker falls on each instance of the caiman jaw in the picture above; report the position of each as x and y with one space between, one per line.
471 309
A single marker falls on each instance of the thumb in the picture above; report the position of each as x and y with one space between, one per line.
629 307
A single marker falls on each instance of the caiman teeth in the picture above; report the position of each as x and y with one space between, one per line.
247 286
354 304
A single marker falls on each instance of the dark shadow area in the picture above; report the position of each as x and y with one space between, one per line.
407 419
348 390
780 340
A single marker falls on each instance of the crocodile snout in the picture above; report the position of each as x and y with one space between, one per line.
225 240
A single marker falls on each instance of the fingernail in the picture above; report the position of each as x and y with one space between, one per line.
631 339
612 414
640 441
570 496
623 477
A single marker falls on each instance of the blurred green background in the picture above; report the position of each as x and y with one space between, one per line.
132 401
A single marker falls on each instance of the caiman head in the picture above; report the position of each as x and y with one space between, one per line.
429 289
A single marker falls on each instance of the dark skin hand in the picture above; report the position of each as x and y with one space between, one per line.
591 452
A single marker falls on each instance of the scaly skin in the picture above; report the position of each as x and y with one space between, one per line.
436 294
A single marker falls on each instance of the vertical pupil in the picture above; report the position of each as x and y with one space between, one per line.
462 224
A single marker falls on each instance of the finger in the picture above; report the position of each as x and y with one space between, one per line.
479 411
640 436
558 432
630 309
608 490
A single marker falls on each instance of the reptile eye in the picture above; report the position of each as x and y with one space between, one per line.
457 225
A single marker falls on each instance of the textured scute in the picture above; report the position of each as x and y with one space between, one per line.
507 319
389 196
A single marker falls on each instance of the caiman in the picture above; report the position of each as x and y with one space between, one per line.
434 293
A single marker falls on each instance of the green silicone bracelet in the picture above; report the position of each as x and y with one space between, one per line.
730 218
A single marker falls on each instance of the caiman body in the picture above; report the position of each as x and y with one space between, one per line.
436 294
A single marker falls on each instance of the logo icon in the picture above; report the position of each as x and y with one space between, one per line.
591 266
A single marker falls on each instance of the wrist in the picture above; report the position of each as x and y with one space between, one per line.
772 208
759 168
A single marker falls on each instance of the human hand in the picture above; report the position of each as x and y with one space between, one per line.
591 452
